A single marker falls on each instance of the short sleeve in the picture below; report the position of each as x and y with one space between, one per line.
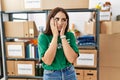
42 45
73 43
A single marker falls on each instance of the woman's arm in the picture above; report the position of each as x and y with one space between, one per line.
70 54
51 52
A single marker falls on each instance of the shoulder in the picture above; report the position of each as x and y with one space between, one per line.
42 36
69 34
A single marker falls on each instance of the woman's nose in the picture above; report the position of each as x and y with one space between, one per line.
60 22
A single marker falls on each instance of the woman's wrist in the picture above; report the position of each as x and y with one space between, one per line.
62 37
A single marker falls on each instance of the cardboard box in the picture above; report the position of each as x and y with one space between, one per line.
87 58
23 5
12 5
90 28
0 6
109 52
109 73
79 74
20 29
15 49
86 74
34 79
25 68
16 29
110 27
17 79
90 75
66 4
24 79
32 30
10 67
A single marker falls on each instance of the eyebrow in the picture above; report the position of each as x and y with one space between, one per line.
60 18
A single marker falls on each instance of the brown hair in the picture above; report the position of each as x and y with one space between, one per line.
52 14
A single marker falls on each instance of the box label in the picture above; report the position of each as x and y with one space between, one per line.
104 16
85 59
31 31
32 4
14 50
25 69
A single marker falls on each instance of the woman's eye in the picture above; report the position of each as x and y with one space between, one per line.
63 19
56 19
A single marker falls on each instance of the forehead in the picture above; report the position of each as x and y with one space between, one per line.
60 15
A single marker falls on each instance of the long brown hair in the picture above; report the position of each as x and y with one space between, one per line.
52 14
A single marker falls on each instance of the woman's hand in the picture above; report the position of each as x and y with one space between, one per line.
53 25
63 28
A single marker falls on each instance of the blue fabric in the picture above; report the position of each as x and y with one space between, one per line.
86 40
67 73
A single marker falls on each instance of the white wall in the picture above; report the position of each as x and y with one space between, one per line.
78 19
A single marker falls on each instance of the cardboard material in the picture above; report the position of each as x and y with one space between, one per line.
79 74
84 74
34 79
17 79
87 58
11 68
90 75
109 73
90 28
110 27
0 6
32 29
16 29
25 68
20 29
66 4
23 5
15 49
24 79
10 6
109 50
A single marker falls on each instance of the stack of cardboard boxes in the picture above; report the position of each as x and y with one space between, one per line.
17 50
26 29
109 42
109 50
109 56
88 61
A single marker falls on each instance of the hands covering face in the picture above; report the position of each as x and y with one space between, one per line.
53 25
58 28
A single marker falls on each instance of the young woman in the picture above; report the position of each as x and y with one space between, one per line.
57 47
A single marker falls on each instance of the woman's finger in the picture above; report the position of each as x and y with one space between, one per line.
55 23
52 22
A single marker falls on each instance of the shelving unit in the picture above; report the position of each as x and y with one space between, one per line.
1 67
1 61
4 39
96 47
